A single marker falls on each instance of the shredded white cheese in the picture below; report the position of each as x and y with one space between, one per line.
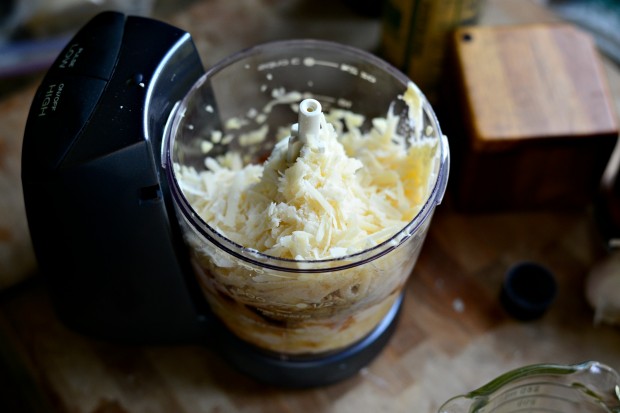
345 192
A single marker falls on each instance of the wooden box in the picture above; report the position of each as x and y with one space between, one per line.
537 125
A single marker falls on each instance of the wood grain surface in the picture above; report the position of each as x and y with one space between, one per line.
452 337
534 81
17 260
538 121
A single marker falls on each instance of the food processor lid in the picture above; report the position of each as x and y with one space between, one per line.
101 221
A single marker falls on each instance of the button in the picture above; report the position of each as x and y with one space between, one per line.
93 51
60 109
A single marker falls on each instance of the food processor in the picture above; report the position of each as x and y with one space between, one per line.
127 258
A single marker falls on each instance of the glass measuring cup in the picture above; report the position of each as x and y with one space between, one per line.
294 307
589 387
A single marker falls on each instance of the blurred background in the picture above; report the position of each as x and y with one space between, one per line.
32 32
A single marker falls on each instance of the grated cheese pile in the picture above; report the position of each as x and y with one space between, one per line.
345 192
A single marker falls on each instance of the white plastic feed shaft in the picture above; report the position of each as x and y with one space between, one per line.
309 119
309 124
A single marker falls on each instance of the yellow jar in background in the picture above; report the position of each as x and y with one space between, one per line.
414 36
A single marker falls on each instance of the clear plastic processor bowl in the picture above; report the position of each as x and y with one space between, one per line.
287 306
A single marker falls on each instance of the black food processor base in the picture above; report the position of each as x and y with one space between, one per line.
306 372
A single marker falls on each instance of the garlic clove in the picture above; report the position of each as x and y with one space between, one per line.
603 290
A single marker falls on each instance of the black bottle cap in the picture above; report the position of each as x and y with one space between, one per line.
528 290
